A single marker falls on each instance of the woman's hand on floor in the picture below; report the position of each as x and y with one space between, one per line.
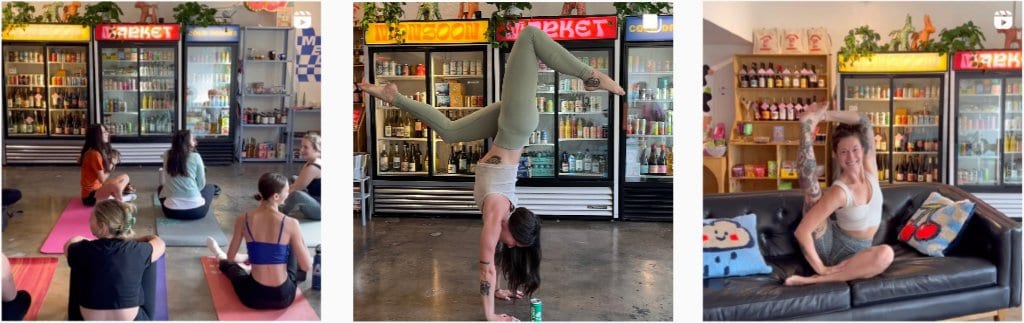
507 294
502 317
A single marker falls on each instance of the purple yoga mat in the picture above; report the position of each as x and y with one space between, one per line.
160 311
74 221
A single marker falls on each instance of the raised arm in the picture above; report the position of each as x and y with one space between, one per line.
867 132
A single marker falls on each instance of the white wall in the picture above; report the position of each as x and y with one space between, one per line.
741 18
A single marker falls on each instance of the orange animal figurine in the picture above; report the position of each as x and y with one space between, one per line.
924 34
466 9
69 11
147 12
581 8
1012 37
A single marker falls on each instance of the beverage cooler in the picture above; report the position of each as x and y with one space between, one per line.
568 165
645 183
138 87
986 125
46 93
902 94
415 171
211 57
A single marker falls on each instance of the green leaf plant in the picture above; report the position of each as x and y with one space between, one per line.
390 13
505 17
18 14
861 42
625 9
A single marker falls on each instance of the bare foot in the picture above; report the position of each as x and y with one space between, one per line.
607 83
797 280
211 244
386 92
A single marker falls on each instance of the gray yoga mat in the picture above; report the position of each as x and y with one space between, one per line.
187 233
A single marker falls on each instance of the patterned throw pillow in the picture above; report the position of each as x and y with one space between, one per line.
936 224
731 248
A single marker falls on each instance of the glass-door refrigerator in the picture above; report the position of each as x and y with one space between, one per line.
645 183
211 57
46 92
906 109
400 142
987 122
138 87
571 151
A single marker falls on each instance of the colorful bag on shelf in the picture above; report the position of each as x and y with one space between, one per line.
766 41
818 41
794 41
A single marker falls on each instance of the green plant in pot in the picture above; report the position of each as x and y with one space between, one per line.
505 15
389 13
428 11
625 9
861 42
18 14
195 14
99 13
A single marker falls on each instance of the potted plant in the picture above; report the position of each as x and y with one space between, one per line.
390 13
195 14
428 11
18 14
714 141
964 37
102 12
505 15
861 42
625 9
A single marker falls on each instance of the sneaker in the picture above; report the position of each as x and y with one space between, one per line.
129 197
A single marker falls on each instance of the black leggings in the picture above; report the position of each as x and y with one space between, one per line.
16 309
190 214
146 310
256 295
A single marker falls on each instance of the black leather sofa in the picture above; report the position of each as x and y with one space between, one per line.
982 272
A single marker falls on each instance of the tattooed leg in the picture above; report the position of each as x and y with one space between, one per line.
807 165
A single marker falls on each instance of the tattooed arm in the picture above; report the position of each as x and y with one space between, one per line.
493 214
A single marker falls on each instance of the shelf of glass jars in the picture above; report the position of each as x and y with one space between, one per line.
402 77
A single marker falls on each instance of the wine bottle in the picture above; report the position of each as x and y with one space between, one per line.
463 160
405 157
385 162
452 162
472 161
396 159
565 162
652 161
662 165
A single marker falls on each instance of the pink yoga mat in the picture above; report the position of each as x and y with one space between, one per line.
74 221
33 275
230 308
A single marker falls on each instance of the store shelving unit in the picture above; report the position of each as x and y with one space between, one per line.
273 72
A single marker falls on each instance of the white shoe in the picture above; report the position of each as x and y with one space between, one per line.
215 249
129 197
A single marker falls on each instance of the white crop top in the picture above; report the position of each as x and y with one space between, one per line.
859 217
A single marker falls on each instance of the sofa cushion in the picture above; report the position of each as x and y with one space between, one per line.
763 297
936 224
731 248
912 276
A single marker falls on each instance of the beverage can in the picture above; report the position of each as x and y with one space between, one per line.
536 309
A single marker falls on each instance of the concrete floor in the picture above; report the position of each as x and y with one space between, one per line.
46 191
413 269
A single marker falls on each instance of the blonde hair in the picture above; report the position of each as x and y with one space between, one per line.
314 139
117 217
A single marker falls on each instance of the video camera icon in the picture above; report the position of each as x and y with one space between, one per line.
1002 20
302 20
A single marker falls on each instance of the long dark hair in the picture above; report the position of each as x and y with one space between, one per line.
94 140
177 156
521 265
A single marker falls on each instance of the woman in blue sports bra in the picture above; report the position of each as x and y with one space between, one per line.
278 258
840 250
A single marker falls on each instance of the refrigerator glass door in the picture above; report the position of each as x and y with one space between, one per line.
25 90
649 115
583 122
119 99
457 90
208 97
400 149
978 131
870 97
915 125
1012 136
157 91
68 93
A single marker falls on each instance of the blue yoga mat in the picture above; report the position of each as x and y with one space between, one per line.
160 311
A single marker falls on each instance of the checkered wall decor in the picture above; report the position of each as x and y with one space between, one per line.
307 65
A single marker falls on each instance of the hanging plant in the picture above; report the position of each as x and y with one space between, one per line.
389 13
861 42
625 9
965 37
428 10
195 14
18 14
99 13
506 15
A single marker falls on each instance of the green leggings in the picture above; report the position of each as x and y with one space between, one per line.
511 120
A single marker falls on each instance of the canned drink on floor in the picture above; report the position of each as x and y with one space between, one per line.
536 307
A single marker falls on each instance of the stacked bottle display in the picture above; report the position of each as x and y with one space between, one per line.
263 150
407 159
461 160
770 75
1012 138
584 163
655 159
401 124
538 164
775 109
47 93
882 92
253 116
909 168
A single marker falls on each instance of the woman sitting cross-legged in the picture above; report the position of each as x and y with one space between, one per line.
276 250
304 191
98 159
187 195
112 277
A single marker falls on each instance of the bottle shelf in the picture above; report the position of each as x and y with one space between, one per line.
657 176
403 139
980 96
275 125
469 77
402 77
631 74
121 112
23 86
406 173
69 86
582 139
581 175
22 63
782 89
579 113
543 145
58 110
27 109
264 61
452 175
910 152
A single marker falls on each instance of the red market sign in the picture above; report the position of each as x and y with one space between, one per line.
575 28
138 32
987 60
271 6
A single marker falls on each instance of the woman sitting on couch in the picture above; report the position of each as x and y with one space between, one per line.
840 250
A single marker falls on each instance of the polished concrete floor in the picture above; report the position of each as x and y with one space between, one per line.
414 269
46 191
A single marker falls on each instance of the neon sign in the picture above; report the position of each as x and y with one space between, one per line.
575 28
138 32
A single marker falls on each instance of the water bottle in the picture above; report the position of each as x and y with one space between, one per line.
316 269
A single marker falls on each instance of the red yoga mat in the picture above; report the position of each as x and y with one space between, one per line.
230 308
74 221
33 275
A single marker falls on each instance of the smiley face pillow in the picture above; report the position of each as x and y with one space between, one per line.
731 248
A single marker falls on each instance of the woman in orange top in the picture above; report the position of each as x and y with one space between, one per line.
98 159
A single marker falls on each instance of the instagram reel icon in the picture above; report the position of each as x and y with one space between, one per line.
1002 20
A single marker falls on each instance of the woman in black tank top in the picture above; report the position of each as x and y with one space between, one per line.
304 192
